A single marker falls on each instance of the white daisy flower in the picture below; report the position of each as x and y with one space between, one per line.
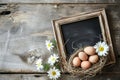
39 64
101 48
52 59
49 45
54 73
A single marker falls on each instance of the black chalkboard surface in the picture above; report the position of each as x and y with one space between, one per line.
80 34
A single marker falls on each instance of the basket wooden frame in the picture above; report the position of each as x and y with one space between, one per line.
104 28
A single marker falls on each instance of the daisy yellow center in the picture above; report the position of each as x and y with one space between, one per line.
49 45
101 48
53 59
53 73
39 65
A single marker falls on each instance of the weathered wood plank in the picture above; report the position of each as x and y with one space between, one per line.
25 29
114 76
59 1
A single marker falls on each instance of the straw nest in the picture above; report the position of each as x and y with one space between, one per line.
78 71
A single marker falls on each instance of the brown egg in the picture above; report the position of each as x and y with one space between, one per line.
85 65
89 50
76 62
94 59
83 56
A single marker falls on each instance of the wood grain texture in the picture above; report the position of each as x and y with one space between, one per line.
28 26
23 30
59 1
64 77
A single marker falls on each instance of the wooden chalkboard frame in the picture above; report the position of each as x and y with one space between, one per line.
84 16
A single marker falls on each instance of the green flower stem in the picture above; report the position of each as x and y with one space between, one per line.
46 67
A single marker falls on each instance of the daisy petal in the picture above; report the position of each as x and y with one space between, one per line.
53 59
49 45
54 73
101 48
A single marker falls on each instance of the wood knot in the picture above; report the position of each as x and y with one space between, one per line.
5 12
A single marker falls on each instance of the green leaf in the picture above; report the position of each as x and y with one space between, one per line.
57 65
54 42
55 45
46 67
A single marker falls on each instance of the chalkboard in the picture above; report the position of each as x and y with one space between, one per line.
80 34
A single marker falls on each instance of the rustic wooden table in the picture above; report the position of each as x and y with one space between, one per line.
28 23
